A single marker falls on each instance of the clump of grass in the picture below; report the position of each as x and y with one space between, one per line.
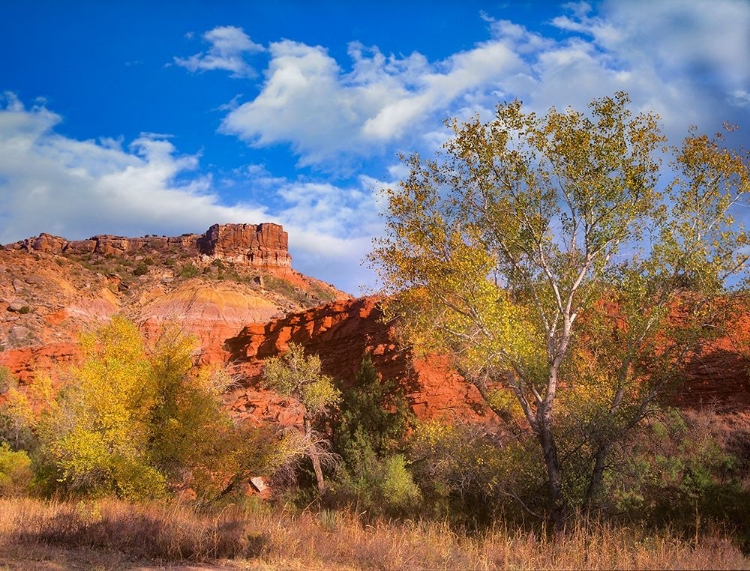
167 532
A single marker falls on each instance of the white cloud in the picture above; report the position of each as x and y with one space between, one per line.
229 46
685 60
51 183
308 100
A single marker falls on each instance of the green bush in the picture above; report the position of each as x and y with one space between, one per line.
398 488
372 410
368 435
678 469
189 270
15 471
140 270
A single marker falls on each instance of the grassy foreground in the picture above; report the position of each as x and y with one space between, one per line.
110 534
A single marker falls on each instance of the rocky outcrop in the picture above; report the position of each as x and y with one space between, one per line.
261 245
25 363
717 376
52 289
107 245
342 333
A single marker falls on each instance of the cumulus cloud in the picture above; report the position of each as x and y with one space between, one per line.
52 183
323 111
685 60
229 46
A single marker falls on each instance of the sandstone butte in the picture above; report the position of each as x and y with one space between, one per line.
68 287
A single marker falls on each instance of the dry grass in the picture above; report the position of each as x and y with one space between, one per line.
110 534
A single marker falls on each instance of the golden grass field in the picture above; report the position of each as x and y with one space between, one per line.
110 534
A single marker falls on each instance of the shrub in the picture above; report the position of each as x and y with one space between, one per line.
677 470
15 471
470 475
368 434
141 421
6 380
376 410
140 270
189 270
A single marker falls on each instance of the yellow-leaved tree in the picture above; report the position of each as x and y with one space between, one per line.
543 254
297 375
140 420
97 435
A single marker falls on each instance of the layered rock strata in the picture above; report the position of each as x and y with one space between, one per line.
342 333
262 245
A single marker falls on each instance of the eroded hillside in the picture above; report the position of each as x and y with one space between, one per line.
213 284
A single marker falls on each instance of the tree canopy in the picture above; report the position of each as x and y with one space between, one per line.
545 253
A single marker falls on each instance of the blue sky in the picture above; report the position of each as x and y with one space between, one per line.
165 117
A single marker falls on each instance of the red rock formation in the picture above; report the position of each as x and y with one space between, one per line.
718 375
341 333
262 245
25 362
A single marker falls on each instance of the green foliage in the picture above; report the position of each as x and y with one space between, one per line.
24 310
189 270
15 471
374 411
141 269
675 466
100 421
192 439
381 485
141 421
21 410
298 376
467 474
6 380
369 433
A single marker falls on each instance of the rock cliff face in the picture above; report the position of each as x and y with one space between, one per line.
341 333
260 245
233 288
264 245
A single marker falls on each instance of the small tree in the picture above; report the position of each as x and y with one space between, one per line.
192 439
369 433
97 434
298 376
21 409
373 412
142 420
526 227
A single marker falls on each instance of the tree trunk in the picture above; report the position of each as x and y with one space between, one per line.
312 453
554 470
596 485
318 471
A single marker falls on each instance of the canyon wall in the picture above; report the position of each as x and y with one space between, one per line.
262 245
